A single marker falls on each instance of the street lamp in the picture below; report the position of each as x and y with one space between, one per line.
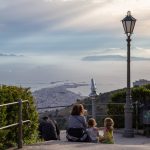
128 25
93 95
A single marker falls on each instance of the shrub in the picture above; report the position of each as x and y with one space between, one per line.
139 94
9 115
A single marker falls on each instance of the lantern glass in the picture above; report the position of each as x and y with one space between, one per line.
132 25
128 24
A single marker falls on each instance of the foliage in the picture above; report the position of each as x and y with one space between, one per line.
141 95
116 111
9 115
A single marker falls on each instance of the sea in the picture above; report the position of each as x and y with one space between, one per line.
108 75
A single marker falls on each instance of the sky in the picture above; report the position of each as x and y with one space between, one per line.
60 32
71 26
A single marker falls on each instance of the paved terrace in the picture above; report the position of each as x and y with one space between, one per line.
121 143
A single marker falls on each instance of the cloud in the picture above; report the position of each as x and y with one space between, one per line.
109 51
77 14
59 25
139 51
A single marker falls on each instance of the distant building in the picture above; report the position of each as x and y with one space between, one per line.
141 82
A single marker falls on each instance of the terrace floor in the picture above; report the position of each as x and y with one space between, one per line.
121 143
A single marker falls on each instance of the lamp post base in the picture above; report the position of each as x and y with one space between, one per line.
128 133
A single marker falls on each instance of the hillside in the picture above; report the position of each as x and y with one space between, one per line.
100 103
56 96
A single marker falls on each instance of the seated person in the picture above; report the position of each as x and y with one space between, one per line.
108 132
93 131
77 125
47 129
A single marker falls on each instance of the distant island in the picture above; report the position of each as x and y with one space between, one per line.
10 55
113 58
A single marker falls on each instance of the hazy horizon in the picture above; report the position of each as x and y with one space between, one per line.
43 41
108 75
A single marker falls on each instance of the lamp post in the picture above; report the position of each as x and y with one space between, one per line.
128 25
93 95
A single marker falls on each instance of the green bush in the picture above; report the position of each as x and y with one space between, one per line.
139 94
116 111
9 115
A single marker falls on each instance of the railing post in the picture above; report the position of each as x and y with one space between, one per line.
20 141
93 109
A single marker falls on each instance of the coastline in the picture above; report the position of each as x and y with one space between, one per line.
57 95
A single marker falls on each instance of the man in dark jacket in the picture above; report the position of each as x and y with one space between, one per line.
48 129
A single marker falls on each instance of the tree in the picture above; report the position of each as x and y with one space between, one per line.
9 115
141 95
116 111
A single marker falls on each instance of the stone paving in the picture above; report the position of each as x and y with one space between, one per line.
121 143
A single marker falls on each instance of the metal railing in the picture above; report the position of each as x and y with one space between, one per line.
98 112
101 111
20 121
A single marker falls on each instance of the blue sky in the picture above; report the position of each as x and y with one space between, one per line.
66 27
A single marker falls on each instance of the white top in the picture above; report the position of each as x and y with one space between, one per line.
93 133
